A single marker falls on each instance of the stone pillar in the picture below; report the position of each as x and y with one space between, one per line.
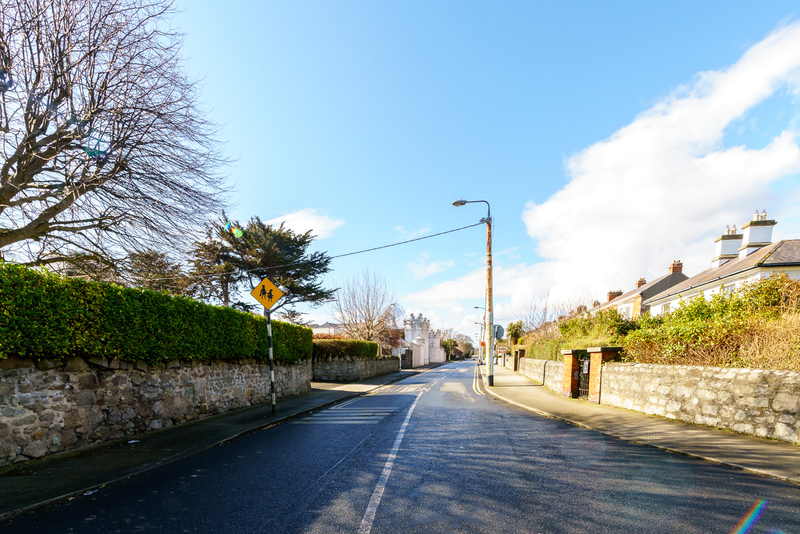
569 384
598 356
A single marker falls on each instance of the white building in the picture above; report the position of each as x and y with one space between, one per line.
632 304
738 259
425 344
327 328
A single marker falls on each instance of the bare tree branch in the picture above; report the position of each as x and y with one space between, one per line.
366 308
103 127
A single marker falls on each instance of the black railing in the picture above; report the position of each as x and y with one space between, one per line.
583 378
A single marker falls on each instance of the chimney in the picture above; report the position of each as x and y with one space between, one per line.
613 294
640 282
727 248
676 267
756 234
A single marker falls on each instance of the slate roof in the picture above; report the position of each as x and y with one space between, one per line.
780 254
649 289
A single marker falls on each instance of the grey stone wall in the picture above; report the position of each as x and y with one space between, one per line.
349 369
57 407
546 372
765 403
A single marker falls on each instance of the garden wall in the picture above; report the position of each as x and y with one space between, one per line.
348 369
546 372
66 405
765 403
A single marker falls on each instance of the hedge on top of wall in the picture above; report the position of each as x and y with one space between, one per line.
44 315
339 348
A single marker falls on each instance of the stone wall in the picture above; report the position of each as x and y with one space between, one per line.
58 407
765 403
546 372
349 369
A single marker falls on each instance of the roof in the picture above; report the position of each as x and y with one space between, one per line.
649 289
781 254
326 325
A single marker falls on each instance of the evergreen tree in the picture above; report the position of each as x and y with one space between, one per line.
154 271
278 253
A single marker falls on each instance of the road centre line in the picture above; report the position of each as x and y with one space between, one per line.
377 494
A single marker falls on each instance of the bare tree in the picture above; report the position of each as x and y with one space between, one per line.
103 148
366 307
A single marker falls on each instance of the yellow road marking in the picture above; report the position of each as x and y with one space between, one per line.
476 378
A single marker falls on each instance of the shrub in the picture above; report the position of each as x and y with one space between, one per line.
749 327
43 315
339 348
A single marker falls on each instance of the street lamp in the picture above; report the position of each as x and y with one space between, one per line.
489 315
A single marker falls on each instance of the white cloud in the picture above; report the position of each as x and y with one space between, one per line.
517 286
664 186
421 267
411 234
306 219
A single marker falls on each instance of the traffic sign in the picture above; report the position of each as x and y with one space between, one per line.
267 293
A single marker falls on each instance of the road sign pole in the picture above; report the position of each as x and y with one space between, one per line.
268 294
271 365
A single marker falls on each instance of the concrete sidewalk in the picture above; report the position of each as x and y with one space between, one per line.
34 483
768 457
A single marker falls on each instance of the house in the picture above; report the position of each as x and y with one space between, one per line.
327 328
632 304
738 259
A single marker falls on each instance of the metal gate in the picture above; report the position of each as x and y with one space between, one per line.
583 378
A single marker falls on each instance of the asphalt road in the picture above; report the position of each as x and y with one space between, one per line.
429 454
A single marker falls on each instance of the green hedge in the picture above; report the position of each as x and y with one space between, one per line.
43 315
338 348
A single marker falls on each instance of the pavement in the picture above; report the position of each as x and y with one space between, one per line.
768 457
35 483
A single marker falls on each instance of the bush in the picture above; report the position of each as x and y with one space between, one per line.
339 348
749 327
328 336
43 315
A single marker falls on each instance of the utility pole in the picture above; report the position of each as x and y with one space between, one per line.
489 314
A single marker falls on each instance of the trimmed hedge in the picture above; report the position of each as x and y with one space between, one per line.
44 315
339 348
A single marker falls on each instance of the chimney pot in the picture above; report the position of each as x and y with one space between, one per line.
756 216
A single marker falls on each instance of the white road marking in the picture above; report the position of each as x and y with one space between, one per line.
344 415
377 494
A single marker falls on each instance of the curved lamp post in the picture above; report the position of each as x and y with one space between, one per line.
489 315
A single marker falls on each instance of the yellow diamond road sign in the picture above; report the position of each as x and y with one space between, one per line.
267 293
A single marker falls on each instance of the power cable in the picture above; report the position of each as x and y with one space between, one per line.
330 257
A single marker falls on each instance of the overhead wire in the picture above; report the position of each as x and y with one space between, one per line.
330 257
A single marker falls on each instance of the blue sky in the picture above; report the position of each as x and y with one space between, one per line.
610 138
